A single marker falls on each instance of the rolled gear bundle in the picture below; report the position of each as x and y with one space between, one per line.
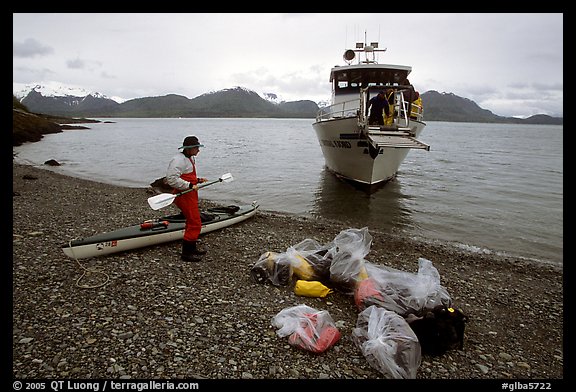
272 268
350 247
310 260
301 267
400 291
388 343
307 328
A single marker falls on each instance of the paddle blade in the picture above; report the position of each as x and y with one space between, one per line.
160 201
227 177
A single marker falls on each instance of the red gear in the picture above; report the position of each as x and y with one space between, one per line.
314 337
188 204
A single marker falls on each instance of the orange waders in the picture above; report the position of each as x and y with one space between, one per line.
188 204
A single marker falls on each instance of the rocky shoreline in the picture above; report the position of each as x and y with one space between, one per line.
145 314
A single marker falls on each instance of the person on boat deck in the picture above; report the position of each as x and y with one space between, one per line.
181 176
378 105
409 95
389 118
416 108
409 92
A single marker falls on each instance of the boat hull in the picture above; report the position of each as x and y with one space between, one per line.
134 237
348 154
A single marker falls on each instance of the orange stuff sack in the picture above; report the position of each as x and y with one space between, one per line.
366 290
314 336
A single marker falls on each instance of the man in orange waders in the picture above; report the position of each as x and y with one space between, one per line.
181 175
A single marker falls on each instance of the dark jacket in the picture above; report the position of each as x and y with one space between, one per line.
378 104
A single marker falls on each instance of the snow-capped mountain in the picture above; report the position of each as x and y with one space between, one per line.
57 99
272 97
55 89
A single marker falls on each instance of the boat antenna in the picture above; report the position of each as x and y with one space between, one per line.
369 50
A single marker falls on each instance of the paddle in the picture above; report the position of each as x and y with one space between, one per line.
165 199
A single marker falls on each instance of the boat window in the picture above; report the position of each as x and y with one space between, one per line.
356 77
350 81
341 75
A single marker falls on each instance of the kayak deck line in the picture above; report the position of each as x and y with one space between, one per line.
171 229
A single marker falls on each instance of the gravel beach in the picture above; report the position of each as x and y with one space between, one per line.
145 314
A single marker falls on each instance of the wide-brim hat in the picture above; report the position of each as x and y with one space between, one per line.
190 142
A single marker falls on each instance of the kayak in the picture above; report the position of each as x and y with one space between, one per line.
156 231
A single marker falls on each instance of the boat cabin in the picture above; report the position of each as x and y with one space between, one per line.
347 80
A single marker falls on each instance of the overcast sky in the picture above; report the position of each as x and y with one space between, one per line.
510 64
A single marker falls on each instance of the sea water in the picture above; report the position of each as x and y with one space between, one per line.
489 188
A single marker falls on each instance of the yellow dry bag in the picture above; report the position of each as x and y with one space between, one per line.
311 288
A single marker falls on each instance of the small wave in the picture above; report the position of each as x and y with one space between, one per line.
477 250
474 249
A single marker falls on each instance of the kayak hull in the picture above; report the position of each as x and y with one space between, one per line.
134 237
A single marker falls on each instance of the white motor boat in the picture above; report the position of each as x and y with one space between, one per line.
367 154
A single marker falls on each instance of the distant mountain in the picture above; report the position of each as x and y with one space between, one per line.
237 102
68 105
55 89
234 102
450 107
171 105
543 119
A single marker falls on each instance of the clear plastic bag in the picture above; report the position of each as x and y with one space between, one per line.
310 260
273 268
307 260
350 247
400 291
387 342
340 262
307 328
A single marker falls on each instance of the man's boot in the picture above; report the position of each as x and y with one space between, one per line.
195 250
188 249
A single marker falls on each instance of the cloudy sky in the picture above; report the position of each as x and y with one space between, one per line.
508 63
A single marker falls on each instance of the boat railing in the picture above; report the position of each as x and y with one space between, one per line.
338 110
404 111
402 108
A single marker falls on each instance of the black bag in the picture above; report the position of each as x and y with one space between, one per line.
439 329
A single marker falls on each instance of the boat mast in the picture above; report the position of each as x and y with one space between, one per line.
363 47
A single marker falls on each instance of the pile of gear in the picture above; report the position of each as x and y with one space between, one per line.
402 315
